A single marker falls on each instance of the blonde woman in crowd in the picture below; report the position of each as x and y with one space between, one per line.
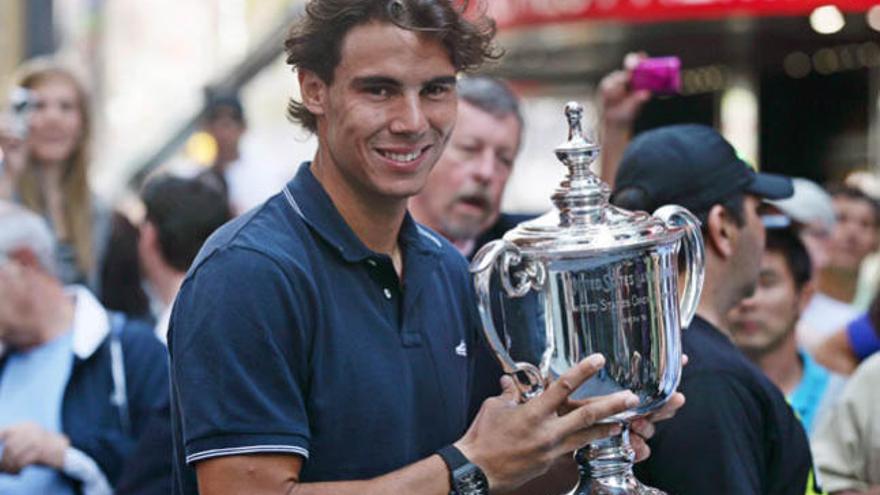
45 167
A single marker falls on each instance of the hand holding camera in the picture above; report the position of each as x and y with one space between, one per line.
14 125
659 75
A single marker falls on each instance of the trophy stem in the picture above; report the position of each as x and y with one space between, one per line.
605 468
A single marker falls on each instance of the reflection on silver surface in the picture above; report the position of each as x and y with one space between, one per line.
590 277
623 308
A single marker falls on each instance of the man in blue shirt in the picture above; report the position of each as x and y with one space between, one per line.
763 326
325 342
77 383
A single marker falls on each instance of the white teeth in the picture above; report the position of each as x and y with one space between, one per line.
402 157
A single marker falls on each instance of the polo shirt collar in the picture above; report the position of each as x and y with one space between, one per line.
91 323
308 199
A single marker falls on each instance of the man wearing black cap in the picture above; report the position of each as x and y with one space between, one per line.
736 434
246 183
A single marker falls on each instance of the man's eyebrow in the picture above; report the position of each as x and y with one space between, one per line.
375 81
446 80
389 81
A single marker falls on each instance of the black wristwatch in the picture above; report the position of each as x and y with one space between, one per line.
465 477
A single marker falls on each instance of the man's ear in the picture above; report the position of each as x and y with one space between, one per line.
26 257
148 236
721 232
313 91
805 295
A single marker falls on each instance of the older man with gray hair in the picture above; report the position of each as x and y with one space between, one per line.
76 382
462 197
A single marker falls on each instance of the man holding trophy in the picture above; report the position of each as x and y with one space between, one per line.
325 343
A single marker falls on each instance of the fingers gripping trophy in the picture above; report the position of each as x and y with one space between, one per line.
590 277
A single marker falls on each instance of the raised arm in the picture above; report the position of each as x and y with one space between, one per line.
619 106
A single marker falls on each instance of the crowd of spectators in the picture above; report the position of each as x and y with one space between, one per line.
780 347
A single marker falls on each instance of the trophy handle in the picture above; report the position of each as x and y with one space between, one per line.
526 375
695 258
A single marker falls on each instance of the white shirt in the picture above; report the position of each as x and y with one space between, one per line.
249 184
823 316
162 323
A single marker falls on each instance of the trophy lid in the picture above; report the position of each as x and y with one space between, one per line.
583 222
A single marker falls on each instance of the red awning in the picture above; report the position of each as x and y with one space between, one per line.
517 13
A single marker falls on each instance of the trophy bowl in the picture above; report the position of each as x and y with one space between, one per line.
589 277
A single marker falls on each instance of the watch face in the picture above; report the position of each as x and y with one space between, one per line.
470 480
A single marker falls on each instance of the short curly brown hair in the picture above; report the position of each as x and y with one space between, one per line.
315 42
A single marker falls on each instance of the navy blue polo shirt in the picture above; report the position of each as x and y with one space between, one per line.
291 336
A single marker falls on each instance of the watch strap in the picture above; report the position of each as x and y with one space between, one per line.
453 457
454 460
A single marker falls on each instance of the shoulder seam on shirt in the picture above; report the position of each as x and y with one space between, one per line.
291 201
234 236
424 232
239 247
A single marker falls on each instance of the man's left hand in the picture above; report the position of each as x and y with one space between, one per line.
642 429
25 444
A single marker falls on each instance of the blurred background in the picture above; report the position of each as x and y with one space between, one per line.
792 83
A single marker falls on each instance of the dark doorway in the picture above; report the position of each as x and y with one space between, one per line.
691 109
814 127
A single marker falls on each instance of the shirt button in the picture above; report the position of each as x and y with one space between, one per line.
371 263
387 293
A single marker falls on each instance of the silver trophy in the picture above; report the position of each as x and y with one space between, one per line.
590 277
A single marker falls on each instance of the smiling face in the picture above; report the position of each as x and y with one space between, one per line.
57 121
384 120
463 194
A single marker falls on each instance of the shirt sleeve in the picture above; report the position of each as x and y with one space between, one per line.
863 337
239 357
712 445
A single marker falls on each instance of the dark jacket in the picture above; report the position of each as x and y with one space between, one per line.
505 222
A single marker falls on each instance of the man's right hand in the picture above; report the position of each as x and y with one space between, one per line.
513 443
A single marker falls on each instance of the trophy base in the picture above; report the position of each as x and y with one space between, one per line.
605 468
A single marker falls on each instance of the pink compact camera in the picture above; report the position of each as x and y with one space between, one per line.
660 75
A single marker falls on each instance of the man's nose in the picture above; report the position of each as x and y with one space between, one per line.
483 165
748 303
409 116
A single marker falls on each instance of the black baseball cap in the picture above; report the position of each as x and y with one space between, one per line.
692 166
228 102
